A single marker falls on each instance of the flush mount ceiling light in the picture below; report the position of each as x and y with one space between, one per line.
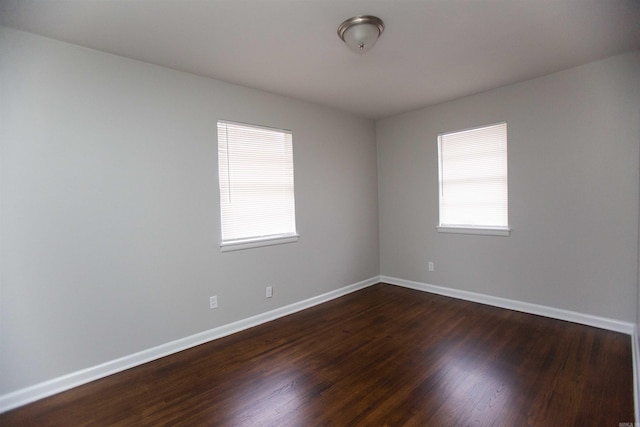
360 33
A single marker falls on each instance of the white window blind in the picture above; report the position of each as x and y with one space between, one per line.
255 167
473 178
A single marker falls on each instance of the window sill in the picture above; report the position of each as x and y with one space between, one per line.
257 242
484 231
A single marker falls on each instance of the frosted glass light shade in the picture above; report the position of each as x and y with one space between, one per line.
360 33
361 37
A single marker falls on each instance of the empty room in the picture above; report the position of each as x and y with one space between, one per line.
305 213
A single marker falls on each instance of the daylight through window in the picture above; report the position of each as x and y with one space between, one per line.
255 168
473 180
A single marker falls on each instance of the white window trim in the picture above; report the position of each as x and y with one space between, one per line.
257 242
484 231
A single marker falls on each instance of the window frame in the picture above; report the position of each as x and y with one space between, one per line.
486 230
262 240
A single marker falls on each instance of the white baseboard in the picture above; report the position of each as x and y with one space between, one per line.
541 310
48 388
525 307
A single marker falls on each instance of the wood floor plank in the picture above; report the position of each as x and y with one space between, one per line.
382 356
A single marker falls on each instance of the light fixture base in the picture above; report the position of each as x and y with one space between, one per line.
370 29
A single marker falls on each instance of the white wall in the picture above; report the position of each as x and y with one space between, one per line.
573 142
109 207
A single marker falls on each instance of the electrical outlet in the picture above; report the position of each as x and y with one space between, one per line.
269 292
431 267
213 302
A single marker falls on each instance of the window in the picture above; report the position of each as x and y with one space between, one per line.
473 181
255 171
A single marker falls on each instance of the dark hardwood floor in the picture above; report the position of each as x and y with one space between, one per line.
382 356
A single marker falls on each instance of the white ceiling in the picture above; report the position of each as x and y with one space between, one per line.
431 50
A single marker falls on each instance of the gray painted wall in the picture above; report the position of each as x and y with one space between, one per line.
109 207
573 142
109 222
